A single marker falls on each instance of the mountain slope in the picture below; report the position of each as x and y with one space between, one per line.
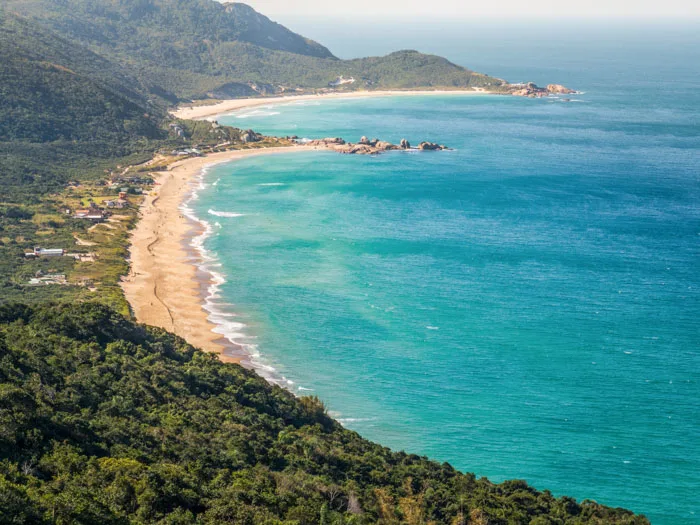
60 101
104 421
201 48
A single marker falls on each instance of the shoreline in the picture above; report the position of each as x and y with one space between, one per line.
167 285
226 106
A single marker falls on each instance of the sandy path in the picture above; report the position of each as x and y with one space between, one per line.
163 286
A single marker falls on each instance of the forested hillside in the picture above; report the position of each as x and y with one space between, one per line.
62 105
70 115
183 49
106 422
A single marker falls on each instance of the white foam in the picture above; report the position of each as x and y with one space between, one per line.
433 327
344 420
272 184
226 323
225 213
257 113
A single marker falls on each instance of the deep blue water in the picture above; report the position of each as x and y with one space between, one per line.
525 306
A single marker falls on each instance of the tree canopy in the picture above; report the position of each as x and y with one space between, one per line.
106 421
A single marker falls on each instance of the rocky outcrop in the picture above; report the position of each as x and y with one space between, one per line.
177 130
357 149
558 89
368 147
430 146
250 136
384 146
327 142
532 90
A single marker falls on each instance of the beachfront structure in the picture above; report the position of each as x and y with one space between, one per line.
189 151
92 214
118 203
43 252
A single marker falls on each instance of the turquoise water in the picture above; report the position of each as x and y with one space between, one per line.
525 306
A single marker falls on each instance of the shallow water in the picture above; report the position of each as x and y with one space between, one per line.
525 305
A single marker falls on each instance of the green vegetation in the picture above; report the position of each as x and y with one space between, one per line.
200 48
70 115
105 421
64 111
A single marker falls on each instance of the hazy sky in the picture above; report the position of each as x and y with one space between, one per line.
478 8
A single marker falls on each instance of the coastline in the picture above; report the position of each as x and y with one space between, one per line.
165 283
225 106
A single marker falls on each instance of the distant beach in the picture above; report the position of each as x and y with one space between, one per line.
225 106
164 285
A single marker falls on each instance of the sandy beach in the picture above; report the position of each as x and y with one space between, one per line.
164 283
225 106
165 286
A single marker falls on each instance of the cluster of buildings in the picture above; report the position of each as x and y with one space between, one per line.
97 214
120 180
92 213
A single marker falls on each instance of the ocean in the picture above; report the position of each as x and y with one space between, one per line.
525 305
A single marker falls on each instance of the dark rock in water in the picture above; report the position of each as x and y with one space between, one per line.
532 90
368 147
430 146
383 146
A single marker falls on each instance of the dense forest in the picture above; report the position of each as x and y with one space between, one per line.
202 48
105 421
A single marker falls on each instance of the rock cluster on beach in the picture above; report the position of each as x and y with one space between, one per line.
250 136
369 147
